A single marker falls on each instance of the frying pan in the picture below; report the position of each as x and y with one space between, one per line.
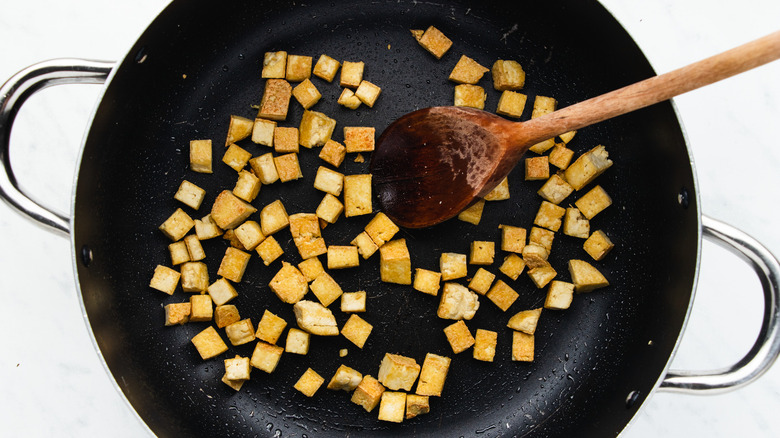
591 402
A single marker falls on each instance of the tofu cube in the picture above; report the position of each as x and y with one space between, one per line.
511 104
398 372
233 264
365 245
273 218
200 156
392 406
236 385
177 225
306 94
585 277
467 71
587 167
543 146
306 234
274 65
395 263
459 337
179 253
276 100
189 194
567 136
359 138
434 41
433 374
298 68
542 237
457 302
285 139
542 275
345 379
368 93
555 189
512 238
351 74
225 315
512 266
452 265
311 268
237 368
537 168
416 405
329 181
209 343
481 281
482 252
177 313
269 250
549 216
472 96
559 295
522 347
330 208
221 292
297 341
240 332
201 308
357 195
266 356
263 132
247 186
543 105
315 129
326 289
228 211
526 321
499 192
473 214
352 302
560 156
593 202
326 68
249 234
426 281
194 277
289 284
357 330
575 224
238 129
348 99
381 229
270 327
507 75
309 383
288 167
535 255
236 157
485 345
502 295
340 257
598 245
206 228
333 153
265 168
368 393
315 318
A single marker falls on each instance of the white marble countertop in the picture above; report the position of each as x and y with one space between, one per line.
53 383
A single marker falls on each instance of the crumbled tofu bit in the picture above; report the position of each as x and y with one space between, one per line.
209 343
298 68
542 237
225 315
289 284
555 189
348 99
316 128
365 245
247 186
233 264
368 93
598 245
189 194
297 341
457 302
269 250
567 136
472 96
343 352
356 330
263 132
502 295
549 216
265 168
417 33
482 281
345 379
512 238
593 202
326 68
559 295
200 156
585 277
276 100
452 265
522 347
329 181
395 263
315 318
433 40
177 225
270 327
306 234
221 292
426 281
392 406
333 153
543 146
575 224
330 209
285 139
359 138
526 320
512 266
499 192
351 74
416 405
398 372
537 168
288 167
237 368
368 393
560 156
459 337
206 228
236 157
234 384
238 129
433 374
274 65
507 75
542 275
311 268
467 71
511 104
326 289
357 195
177 313
485 345
340 257
473 214
240 332
194 277
482 252
381 229
228 211
201 308
353 302
306 94
266 356
309 383
543 105
179 253
587 167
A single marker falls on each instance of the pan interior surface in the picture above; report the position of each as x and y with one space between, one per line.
199 62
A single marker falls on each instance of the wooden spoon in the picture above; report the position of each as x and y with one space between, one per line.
432 163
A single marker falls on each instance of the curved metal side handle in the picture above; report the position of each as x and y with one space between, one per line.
13 94
767 347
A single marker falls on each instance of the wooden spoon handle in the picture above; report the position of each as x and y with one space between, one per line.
650 91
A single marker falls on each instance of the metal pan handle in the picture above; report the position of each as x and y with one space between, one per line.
13 94
767 347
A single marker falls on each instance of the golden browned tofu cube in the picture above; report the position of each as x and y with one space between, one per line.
177 313
340 257
179 253
575 224
269 250
265 168
452 265
240 332
559 295
285 139
459 337
201 309
233 264
288 167
297 341
395 263
306 234
353 302
512 238
238 129
359 138
309 383
457 302
512 266
593 202
326 68
511 104
368 93
485 345
434 41
194 277
177 225
535 255
473 214
165 279
237 368
507 75
467 71
542 237
392 406
206 228
543 105
351 74
315 129
365 245
542 146
598 245
482 252
585 277
225 315
587 167
426 281
326 289
381 229
298 68
433 374
522 347
368 393
236 385
333 153
416 405
499 192
348 99
236 157
555 189
472 96
221 292
200 156
525 321
306 94
315 318
502 295
194 248
481 281
249 234
311 268
345 379
228 211
274 65
263 132
549 216
247 186
330 209
266 357
357 330
560 156
270 327
189 194
398 372
209 343
567 136
329 181
289 284
542 275
273 218
276 100
357 195
537 168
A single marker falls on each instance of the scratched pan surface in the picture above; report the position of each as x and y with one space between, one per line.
200 61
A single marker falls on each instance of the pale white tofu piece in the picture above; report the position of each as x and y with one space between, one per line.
457 302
